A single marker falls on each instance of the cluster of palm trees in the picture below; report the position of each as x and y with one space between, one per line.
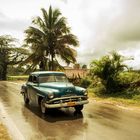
47 42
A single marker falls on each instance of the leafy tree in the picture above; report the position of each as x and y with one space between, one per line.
9 54
107 69
49 39
76 66
15 70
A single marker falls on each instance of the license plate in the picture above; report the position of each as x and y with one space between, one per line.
71 103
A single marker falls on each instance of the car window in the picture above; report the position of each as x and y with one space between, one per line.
53 78
49 78
30 78
61 78
34 79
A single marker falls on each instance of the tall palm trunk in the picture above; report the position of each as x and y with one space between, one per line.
42 66
52 62
52 54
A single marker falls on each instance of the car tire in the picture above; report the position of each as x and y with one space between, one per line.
42 107
26 99
78 108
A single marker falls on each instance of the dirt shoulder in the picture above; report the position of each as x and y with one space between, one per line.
4 133
123 104
10 130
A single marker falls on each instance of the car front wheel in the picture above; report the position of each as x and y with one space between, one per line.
78 108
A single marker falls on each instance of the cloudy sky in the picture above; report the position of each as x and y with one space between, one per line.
100 25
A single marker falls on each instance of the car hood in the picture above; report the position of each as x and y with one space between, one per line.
59 88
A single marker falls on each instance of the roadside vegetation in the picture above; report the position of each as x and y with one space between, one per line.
110 79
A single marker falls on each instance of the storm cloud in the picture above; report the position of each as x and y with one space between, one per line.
100 25
12 24
118 29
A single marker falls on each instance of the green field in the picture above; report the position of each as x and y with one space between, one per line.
15 78
119 100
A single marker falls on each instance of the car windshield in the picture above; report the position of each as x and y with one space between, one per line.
52 78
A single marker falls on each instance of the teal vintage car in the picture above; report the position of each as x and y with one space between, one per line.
53 90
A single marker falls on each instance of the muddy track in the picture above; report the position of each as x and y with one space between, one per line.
97 121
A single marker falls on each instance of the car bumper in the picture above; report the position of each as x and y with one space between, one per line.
67 104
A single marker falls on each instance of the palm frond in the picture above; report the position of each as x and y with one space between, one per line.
40 23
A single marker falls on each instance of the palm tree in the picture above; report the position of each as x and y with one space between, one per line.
9 54
107 69
50 40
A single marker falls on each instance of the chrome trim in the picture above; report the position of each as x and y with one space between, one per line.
65 104
63 98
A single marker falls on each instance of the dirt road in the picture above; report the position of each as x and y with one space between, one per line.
96 122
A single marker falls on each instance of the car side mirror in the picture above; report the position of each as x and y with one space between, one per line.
35 81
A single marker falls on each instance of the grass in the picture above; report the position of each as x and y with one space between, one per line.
117 98
15 78
3 133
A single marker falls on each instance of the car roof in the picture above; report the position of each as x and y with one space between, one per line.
46 72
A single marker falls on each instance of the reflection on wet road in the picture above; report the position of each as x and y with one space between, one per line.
97 121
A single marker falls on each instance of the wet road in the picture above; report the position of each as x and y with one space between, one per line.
96 122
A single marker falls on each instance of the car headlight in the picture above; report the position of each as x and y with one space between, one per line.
51 95
85 92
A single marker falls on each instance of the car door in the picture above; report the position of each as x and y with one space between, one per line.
32 82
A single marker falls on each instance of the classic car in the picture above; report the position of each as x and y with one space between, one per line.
53 90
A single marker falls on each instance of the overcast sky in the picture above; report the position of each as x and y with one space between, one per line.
100 25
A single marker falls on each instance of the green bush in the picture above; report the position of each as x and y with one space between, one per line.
85 82
129 77
136 97
99 90
108 69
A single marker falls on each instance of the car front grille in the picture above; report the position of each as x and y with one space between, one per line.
67 99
